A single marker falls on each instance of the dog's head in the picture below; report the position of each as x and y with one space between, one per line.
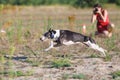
48 35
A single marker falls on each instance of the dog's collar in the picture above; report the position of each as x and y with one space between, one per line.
52 35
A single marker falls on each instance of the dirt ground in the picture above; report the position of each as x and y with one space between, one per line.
34 20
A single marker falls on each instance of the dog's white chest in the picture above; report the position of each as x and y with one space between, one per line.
57 35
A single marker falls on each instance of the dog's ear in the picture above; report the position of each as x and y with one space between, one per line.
54 31
50 30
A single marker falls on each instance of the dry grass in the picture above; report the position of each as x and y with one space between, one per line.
22 48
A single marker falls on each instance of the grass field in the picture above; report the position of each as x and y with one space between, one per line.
22 55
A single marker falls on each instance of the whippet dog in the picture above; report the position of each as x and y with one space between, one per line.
66 37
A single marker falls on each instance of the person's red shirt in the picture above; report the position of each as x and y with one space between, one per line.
100 20
101 25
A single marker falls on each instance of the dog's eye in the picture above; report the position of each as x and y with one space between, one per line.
45 34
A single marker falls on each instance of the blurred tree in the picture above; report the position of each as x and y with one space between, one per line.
88 3
112 1
75 3
4 1
117 2
36 2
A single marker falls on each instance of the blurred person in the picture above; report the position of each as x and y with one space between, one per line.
104 27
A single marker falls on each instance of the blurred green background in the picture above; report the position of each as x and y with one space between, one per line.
75 3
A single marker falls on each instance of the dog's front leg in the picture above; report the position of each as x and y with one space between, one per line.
51 46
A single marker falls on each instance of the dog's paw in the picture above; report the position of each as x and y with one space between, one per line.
106 51
46 50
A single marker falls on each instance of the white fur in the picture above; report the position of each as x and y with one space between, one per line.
51 46
57 35
95 47
43 38
68 42
65 42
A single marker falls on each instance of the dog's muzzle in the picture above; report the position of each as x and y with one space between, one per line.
42 38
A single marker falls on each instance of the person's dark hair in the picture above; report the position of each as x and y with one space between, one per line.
97 5
95 10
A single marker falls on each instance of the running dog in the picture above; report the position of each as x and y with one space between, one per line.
66 37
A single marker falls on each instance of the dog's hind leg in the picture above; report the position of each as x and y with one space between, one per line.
95 47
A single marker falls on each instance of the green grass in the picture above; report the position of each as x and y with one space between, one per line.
22 37
65 76
94 56
33 62
27 34
116 74
16 73
10 34
110 42
61 63
78 76
108 57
